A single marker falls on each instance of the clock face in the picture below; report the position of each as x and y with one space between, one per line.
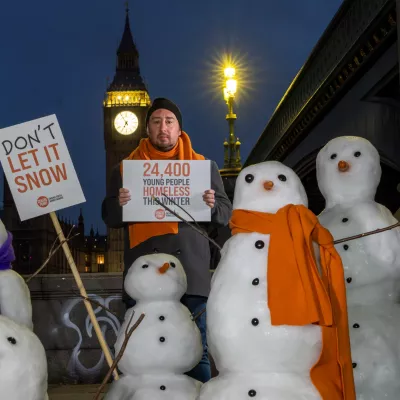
126 122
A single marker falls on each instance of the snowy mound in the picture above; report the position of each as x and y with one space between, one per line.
167 343
155 387
349 172
23 364
260 387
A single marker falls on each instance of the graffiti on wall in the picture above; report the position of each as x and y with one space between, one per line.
73 312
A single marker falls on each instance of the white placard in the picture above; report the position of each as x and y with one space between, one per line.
38 167
182 181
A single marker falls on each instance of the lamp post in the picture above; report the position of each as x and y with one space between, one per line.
232 148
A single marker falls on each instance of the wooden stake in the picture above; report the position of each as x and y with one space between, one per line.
82 291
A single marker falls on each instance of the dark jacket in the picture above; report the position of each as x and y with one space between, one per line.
191 248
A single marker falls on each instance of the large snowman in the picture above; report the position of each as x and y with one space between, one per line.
23 364
348 173
255 358
15 300
167 343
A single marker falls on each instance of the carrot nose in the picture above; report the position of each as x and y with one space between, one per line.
163 269
268 185
343 166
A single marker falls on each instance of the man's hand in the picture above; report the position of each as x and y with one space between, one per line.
124 196
209 198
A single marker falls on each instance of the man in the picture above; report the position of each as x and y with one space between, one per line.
166 140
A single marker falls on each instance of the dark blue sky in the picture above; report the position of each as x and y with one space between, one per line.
57 55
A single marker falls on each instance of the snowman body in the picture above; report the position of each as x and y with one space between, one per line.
163 343
371 263
23 364
264 386
160 386
239 317
167 343
254 358
15 300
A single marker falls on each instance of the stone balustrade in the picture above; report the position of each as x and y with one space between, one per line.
62 323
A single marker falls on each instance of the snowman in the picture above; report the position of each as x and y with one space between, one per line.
15 299
167 343
256 353
348 173
23 364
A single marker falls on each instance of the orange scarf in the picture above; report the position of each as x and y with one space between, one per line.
141 231
299 295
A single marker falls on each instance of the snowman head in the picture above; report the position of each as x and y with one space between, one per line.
156 277
267 187
348 170
3 233
22 359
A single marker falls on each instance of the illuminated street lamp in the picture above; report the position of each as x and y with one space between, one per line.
232 148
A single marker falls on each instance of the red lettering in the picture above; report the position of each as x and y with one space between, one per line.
147 167
47 153
58 172
23 161
13 170
44 177
44 173
23 186
53 146
174 191
33 152
154 171
32 179
168 170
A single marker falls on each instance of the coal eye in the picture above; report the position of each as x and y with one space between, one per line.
282 178
145 266
333 156
249 178
12 340
357 154
172 265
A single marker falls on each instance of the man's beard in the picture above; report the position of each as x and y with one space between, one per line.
163 148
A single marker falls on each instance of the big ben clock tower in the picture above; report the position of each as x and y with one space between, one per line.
125 106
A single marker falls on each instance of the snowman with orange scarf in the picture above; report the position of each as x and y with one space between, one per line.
277 313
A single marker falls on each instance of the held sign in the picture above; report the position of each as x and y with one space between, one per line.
38 168
173 182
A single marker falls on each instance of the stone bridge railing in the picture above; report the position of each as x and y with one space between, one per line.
62 323
359 32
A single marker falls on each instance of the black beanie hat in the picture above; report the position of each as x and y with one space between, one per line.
160 102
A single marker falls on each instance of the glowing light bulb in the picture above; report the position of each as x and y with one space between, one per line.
229 72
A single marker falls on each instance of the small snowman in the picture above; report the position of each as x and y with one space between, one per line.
259 351
15 299
23 364
348 173
167 343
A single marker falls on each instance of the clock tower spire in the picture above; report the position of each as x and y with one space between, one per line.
125 106
128 70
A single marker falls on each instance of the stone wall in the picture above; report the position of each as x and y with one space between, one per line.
63 325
